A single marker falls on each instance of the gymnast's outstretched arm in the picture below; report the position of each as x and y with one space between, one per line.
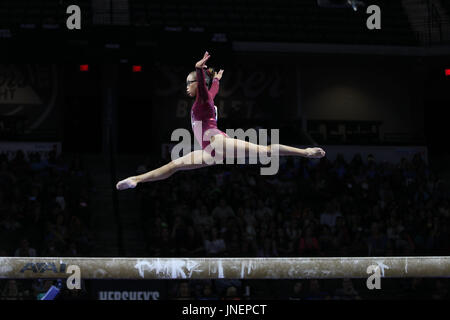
202 90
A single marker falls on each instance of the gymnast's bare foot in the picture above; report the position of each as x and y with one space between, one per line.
314 152
128 183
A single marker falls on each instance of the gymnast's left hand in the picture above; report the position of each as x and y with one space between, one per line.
202 63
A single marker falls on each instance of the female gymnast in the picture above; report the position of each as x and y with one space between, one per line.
204 126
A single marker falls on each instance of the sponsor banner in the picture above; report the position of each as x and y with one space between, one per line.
129 289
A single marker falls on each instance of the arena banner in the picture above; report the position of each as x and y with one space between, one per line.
44 148
29 93
129 290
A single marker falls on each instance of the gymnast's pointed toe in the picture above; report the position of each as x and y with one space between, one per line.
128 183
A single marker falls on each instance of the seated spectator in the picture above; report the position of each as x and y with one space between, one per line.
315 293
283 245
222 285
328 217
191 245
178 233
164 245
72 250
60 229
25 250
341 235
203 218
75 228
292 230
213 244
392 228
222 212
240 219
11 291
376 242
9 224
250 231
405 244
52 235
50 250
248 248
326 240
440 291
234 245
268 248
231 294
262 211
249 216
155 227
308 244
390 248
7 177
417 290
223 228
184 291
309 219
297 292
347 291
207 293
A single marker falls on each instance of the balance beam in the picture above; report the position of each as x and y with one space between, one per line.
223 268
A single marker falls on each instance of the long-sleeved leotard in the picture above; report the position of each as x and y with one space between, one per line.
203 112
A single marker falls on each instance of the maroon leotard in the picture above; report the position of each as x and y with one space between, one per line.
203 112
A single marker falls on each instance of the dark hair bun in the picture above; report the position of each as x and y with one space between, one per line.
209 72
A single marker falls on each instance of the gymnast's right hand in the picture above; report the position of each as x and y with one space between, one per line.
218 75
202 63
128 183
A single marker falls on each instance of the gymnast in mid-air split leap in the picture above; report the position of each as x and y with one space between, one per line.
203 84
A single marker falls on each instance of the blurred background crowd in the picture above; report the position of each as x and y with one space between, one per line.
44 212
311 208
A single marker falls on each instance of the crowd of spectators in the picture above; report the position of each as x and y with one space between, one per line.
312 289
311 208
44 211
